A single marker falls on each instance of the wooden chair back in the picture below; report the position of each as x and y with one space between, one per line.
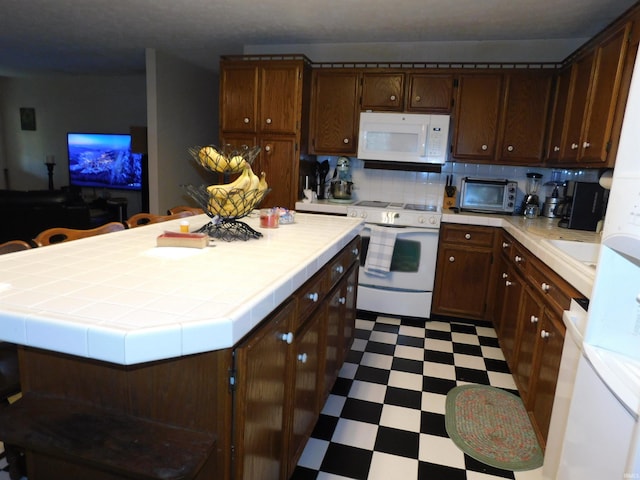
61 234
13 246
140 219
185 208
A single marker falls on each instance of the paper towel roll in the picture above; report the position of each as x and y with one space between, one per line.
605 179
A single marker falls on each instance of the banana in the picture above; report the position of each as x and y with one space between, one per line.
211 158
262 184
240 183
236 163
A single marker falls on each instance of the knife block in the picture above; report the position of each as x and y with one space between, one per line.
449 201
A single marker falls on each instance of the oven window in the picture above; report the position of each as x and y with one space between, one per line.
405 258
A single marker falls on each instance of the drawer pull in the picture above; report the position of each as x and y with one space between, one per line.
339 269
484 148
545 287
268 121
345 141
313 296
350 289
302 357
544 334
246 120
510 148
392 98
452 258
517 259
534 319
508 283
505 275
467 236
342 300
355 251
287 337
505 245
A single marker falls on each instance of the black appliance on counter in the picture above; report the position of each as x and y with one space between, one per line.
583 207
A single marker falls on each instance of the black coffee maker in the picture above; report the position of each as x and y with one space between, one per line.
583 207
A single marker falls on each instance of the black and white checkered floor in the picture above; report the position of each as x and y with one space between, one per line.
385 416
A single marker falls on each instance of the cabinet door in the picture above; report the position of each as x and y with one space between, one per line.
279 160
462 269
333 335
349 324
305 381
605 85
478 100
335 113
239 97
259 399
524 117
501 275
430 92
559 116
510 310
547 368
529 318
382 91
280 97
578 91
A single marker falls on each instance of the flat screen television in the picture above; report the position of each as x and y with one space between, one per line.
103 160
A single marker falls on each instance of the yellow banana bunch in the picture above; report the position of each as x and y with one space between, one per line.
238 198
218 162
262 184
242 183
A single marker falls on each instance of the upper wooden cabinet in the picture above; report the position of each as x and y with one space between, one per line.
335 110
429 93
591 103
383 91
477 108
558 115
261 96
524 117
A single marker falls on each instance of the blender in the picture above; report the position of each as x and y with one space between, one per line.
531 202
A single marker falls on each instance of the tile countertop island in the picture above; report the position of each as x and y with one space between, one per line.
534 234
119 298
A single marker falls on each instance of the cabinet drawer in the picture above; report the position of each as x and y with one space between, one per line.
468 235
309 296
557 292
342 262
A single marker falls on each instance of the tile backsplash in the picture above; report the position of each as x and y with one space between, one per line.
428 188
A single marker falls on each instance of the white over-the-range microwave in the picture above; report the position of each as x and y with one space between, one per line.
403 137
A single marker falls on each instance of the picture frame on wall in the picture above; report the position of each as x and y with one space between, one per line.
27 118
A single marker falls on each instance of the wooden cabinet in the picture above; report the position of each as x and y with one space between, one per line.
284 370
592 102
465 258
265 102
558 116
531 332
524 117
477 109
429 93
260 398
382 91
335 112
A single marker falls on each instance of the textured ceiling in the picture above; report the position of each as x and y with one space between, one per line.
109 36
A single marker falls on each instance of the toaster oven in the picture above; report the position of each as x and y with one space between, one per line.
488 195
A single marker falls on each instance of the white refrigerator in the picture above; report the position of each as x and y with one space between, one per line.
602 437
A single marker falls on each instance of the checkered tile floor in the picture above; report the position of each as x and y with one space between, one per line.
385 416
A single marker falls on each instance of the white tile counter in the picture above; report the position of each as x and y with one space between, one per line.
119 298
534 235
323 206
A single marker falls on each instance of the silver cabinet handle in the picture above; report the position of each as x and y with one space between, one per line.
534 319
313 296
544 334
302 357
505 245
392 97
508 283
339 269
510 148
586 145
287 337
505 275
345 141
545 287
484 147
268 121
452 258
467 236
355 251
517 259
246 120
574 146
342 300
556 148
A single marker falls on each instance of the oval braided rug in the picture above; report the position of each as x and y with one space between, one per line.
492 426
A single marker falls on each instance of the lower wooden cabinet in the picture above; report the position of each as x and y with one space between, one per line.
463 271
284 370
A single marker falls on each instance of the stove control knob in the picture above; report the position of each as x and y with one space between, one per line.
353 214
421 220
433 220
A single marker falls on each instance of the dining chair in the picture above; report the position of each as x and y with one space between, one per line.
61 234
185 208
140 219
13 246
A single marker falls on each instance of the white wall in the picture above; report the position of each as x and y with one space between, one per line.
182 103
63 103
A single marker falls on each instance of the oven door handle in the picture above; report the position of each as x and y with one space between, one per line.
402 230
